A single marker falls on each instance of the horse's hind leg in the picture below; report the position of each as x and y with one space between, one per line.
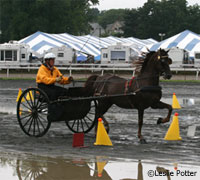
162 105
140 123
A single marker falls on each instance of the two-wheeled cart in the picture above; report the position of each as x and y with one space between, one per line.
35 112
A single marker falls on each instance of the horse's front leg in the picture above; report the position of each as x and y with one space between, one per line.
140 123
102 108
162 105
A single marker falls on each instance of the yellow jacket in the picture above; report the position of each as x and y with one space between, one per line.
46 76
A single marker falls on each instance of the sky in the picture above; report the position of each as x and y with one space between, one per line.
122 4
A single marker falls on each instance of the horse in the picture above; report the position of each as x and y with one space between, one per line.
141 92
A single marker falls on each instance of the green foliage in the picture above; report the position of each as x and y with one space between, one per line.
165 16
110 16
93 15
20 18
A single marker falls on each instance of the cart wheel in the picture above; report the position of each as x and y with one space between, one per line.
31 169
32 110
85 124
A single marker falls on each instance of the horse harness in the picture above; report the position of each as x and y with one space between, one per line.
96 93
128 84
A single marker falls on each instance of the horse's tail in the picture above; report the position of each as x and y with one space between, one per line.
88 86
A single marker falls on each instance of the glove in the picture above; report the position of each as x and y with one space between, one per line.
70 79
58 78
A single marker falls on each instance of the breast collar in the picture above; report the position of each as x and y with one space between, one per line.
128 84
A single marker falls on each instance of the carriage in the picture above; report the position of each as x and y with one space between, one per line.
35 112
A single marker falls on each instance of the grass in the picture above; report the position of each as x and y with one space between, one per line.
16 78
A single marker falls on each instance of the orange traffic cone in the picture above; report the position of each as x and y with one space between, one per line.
100 165
20 111
29 96
175 103
175 166
102 137
173 131
19 94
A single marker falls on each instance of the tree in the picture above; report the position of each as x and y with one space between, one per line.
110 16
165 16
20 18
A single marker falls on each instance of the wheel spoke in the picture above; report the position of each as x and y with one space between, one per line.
30 125
89 118
38 126
82 125
86 122
40 122
31 96
27 122
28 102
73 124
78 125
25 112
42 118
38 100
26 116
30 107
34 126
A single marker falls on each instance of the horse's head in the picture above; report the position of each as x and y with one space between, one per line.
162 63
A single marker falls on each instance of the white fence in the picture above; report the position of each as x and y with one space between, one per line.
99 67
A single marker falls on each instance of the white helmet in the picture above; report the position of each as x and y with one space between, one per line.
49 56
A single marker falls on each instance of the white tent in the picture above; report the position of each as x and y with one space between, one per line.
40 42
186 40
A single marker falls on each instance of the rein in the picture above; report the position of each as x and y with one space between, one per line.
135 77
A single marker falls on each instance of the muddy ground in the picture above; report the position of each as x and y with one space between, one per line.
123 130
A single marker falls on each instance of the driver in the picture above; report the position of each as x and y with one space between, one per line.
48 75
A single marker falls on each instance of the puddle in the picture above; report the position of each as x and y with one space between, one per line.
100 167
8 102
7 109
183 101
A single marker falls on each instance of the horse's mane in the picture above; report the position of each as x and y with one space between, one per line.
141 63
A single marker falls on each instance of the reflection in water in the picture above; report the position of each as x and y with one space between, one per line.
163 171
189 102
183 101
7 109
55 169
8 105
46 168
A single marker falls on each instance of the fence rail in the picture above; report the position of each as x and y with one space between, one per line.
98 67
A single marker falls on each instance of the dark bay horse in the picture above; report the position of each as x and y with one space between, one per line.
141 92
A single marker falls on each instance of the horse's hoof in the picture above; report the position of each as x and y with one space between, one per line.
143 141
159 121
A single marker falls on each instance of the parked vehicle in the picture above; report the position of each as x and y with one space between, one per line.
64 55
118 53
15 53
179 56
197 57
